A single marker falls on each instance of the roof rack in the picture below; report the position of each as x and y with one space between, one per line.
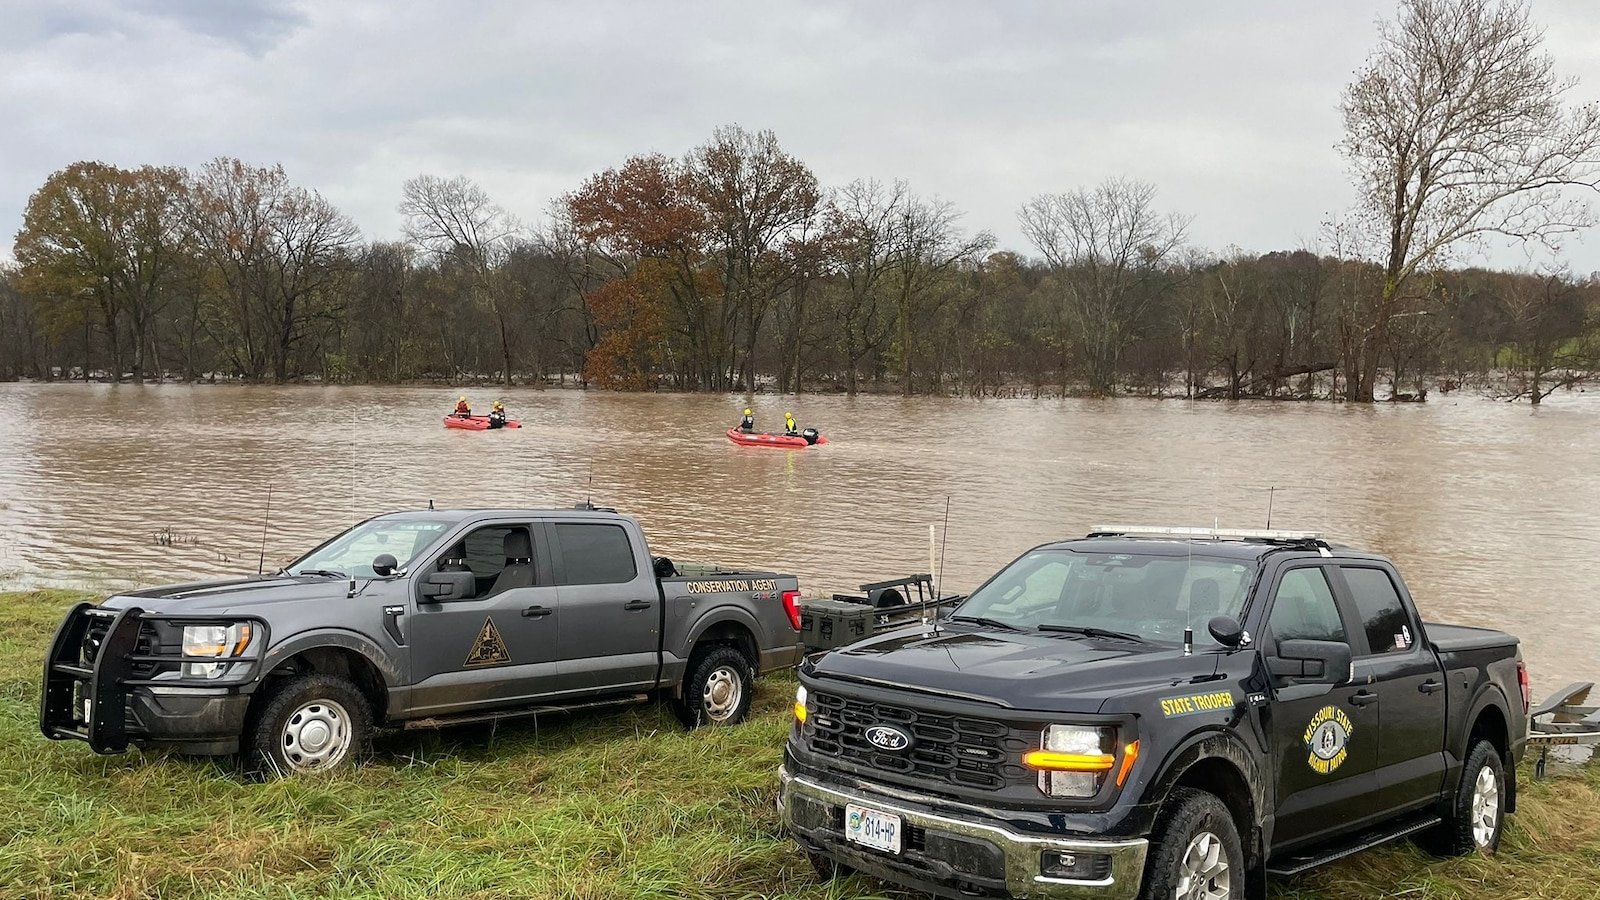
1267 535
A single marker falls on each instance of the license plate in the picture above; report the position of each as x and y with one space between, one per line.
871 828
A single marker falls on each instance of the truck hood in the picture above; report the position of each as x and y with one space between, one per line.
235 595
1020 670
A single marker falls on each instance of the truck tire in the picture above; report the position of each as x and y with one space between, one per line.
719 688
308 725
1478 810
1195 851
826 867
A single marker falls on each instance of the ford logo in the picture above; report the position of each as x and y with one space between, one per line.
887 737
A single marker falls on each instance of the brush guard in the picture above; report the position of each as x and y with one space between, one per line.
85 695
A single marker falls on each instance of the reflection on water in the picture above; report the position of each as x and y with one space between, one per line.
1491 509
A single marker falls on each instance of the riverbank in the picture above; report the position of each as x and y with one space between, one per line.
616 805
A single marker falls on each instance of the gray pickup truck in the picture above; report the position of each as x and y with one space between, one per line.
416 619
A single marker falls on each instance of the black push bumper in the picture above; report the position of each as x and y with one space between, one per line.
109 683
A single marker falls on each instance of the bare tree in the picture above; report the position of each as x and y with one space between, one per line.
926 243
1553 342
1455 129
1104 246
271 251
455 220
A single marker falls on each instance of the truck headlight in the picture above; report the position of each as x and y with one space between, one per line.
214 641
801 711
1074 760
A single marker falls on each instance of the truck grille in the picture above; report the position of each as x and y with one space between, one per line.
955 750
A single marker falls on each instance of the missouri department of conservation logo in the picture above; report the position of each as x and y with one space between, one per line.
489 649
1328 739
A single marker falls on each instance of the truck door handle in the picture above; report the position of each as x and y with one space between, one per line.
1431 686
1362 698
636 605
536 612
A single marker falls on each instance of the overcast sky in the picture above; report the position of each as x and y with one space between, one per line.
1230 108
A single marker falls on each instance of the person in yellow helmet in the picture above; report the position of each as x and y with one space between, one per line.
463 408
789 427
497 415
748 423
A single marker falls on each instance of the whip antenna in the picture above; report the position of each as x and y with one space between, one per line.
261 561
1271 489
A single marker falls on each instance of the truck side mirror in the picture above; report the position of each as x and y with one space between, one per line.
385 564
443 587
1227 631
1312 662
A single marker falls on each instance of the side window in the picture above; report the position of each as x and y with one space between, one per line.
1304 609
486 550
595 554
1383 616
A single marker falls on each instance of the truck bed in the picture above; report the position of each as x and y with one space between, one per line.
1458 638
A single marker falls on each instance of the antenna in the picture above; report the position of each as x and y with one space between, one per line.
938 575
261 561
1271 489
1188 616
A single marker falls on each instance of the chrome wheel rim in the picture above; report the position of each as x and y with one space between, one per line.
1485 807
1203 872
723 692
316 736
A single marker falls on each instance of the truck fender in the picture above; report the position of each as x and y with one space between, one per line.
1489 697
720 616
339 638
1226 747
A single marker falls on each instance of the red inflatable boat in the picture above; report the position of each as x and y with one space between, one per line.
785 441
474 423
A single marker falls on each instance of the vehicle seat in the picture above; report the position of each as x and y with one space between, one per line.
1205 601
518 572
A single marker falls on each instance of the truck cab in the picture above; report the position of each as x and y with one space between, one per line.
1152 711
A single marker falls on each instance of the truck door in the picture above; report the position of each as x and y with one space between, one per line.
610 610
498 646
1324 740
1410 686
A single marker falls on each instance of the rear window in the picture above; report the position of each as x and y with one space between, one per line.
595 554
1383 616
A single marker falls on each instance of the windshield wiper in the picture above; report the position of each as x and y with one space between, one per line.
1091 631
987 622
325 573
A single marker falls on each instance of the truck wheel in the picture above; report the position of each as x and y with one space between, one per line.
309 724
1195 852
1478 812
826 867
718 690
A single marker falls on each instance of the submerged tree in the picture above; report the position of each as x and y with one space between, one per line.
1105 247
1456 129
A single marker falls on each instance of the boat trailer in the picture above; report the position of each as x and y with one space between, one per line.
1565 719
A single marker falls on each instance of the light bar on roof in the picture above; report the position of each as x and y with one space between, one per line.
1215 534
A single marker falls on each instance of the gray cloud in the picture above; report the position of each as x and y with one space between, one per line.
1230 108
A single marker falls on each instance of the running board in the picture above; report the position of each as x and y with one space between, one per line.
1365 840
517 713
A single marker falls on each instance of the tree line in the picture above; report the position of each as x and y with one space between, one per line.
732 268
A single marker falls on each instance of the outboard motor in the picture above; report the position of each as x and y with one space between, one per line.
811 435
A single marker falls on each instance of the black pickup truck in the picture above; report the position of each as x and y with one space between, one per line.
416 619
1151 712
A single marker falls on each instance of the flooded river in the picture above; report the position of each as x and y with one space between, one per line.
1492 510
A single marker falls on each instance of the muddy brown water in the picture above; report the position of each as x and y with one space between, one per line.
1492 510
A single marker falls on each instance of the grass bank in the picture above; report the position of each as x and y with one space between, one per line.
615 805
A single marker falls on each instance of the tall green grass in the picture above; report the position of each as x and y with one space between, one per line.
621 804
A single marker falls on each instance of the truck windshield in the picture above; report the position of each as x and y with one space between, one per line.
1147 597
352 553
